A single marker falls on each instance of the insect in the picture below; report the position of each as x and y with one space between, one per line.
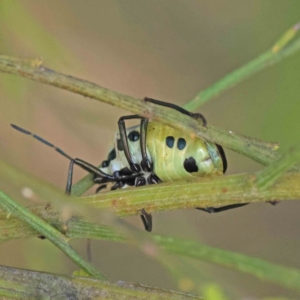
151 153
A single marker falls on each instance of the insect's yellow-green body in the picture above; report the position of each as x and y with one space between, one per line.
158 153
184 157
174 154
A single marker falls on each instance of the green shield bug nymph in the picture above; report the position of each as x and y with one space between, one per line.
151 153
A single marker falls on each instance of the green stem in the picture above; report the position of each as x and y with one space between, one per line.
288 277
26 284
205 192
78 227
202 192
278 52
84 184
52 234
270 174
32 69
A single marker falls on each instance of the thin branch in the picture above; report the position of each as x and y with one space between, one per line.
206 192
203 192
288 277
78 227
270 174
73 227
26 284
282 48
33 69
56 237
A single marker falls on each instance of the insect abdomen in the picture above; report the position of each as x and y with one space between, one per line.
178 156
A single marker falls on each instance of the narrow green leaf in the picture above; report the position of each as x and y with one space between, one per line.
288 277
26 285
79 227
280 50
260 152
52 234
270 174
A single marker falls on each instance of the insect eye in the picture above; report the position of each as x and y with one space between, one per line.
134 136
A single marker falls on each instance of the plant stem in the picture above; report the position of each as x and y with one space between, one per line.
288 277
32 69
79 227
278 52
270 174
52 234
25 284
206 192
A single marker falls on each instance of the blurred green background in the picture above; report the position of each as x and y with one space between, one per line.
168 50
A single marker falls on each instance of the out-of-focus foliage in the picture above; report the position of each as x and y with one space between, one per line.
168 50
21 29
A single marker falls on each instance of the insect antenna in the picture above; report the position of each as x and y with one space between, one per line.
79 162
42 140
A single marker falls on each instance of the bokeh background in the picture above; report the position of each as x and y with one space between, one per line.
168 50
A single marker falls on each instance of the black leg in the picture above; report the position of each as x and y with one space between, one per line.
89 168
140 181
145 163
153 179
117 185
274 202
101 187
70 177
146 217
220 209
147 220
222 154
178 108
79 162
93 169
123 135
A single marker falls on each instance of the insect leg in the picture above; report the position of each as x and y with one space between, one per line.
147 220
89 168
123 135
70 177
178 108
101 187
146 217
223 156
79 162
220 209
145 163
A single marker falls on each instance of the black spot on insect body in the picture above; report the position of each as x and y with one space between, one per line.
112 155
134 136
120 145
170 141
190 165
181 143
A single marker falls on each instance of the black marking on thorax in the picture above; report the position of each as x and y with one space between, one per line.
120 145
111 156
